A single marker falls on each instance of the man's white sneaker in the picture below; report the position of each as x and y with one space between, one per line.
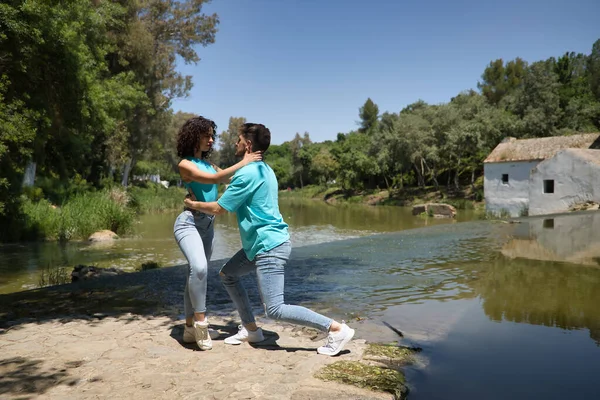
189 334
245 335
336 341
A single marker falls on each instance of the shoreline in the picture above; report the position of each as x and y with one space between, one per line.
461 199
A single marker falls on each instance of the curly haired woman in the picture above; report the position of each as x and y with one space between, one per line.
193 230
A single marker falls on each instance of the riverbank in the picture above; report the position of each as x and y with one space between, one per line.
121 337
114 209
464 198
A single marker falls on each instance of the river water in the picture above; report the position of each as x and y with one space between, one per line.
310 222
500 310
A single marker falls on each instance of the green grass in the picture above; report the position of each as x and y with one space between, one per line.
82 214
79 217
155 198
307 192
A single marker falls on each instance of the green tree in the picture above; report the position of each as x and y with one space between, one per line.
156 34
227 140
538 102
301 158
369 114
593 68
355 164
498 79
279 157
324 166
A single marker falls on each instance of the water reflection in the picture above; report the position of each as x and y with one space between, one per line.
546 293
378 274
573 238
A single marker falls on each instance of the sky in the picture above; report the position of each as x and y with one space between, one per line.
308 66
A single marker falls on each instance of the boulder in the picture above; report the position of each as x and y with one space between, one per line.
587 206
103 236
85 272
437 210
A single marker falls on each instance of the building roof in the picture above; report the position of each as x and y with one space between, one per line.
589 155
511 149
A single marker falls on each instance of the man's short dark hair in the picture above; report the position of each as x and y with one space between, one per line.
258 134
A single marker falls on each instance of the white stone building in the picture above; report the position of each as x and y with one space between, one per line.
512 187
571 177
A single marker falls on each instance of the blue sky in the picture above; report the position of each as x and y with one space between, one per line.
309 65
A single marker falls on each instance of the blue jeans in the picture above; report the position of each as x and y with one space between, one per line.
194 233
270 269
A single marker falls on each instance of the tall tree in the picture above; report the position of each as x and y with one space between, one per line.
538 103
159 31
300 157
369 114
593 68
498 79
227 141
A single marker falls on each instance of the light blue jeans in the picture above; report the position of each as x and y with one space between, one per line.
270 270
194 233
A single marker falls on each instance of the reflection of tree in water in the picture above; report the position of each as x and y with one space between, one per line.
541 293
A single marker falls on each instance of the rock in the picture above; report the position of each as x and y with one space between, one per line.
438 210
84 272
419 209
587 206
103 236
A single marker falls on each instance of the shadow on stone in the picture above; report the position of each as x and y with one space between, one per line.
149 293
23 378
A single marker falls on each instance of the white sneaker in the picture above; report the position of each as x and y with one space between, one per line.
336 341
202 337
245 335
189 334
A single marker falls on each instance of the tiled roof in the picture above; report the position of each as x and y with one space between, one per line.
512 149
592 156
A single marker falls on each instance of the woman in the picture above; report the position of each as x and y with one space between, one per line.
193 230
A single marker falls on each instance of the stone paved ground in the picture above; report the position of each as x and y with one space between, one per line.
129 357
120 338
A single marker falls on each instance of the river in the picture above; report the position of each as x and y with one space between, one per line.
310 222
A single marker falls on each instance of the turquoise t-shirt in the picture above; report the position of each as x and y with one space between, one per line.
203 191
253 195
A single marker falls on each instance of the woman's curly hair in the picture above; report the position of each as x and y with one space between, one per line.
188 138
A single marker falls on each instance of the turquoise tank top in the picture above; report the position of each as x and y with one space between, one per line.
203 191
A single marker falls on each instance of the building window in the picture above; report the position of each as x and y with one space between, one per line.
548 185
505 179
549 223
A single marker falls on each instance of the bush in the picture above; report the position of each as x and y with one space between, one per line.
59 192
78 218
156 198
52 276
460 204
148 266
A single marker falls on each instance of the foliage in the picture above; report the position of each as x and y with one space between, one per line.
148 266
227 141
154 198
86 89
77 219
52 276
369 115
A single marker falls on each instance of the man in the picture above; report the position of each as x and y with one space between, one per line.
253 195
